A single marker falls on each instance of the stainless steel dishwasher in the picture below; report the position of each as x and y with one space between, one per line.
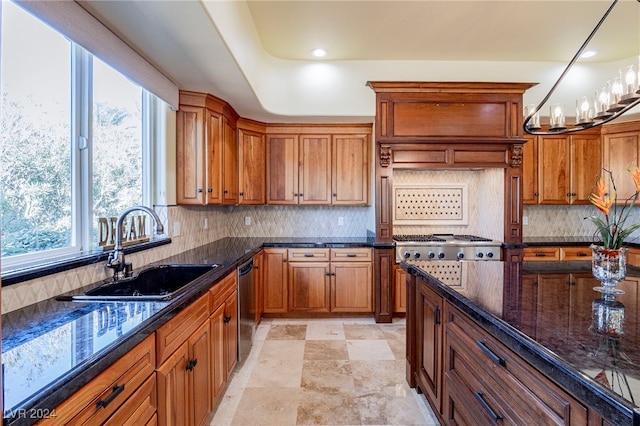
246 301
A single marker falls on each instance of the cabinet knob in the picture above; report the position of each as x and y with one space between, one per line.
537 194
295 194
209 190
241 194
335 195
301 194
199 189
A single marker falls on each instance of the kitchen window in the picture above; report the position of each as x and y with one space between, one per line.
75 139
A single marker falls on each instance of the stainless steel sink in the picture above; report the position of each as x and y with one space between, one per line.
160 282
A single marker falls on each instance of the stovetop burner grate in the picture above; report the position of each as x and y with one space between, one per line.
471 238
419 238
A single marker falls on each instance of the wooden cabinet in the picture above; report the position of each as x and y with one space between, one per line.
184 382
429 330
206 151
258 285
309 281
251 163
351 280
124 392
224 333
556 253
485 382
275 276
560 169
399 290
184 371
318 165
621 146
318 280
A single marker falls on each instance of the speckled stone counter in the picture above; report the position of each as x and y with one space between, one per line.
546 316
51 349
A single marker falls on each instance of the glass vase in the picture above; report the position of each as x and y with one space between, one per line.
609 266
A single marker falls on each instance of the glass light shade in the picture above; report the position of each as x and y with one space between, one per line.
630 79
534 123
556 120
615 94
584 111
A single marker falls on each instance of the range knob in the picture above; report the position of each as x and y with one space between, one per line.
406 255
480 255
440 255
490 255
460 255
416 255
431 255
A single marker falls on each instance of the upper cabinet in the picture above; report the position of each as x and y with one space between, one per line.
225 159
318 165
621 146
207 151
560 169
252 170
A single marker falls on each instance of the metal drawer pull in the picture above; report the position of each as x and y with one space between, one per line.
581 254
495 358
480 397
351 255
436 315
117 390
541 254
308 255
191 364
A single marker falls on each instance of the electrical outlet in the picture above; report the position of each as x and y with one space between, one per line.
247 220
176 229
340 221
525 220
206 223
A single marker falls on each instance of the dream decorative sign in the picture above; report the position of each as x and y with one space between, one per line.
134 231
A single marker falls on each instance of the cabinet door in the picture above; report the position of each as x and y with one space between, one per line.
429 343
230 334
400 290
530 171
190 155
315 169
218 367
213 159
309 286
351 287
586 164
621 151
258 285
252 167
350 172
199 374
173 389
275 281
230 163
554 170
282 169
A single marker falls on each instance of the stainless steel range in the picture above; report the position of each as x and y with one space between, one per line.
446 247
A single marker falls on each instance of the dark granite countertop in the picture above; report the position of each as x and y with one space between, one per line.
546 317
52 348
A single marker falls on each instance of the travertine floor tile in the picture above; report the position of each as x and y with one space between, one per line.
369 349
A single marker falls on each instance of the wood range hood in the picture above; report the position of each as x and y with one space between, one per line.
449 125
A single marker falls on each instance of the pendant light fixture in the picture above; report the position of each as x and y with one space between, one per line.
617 96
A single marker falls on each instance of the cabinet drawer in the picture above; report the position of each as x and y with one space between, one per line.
633 257
139 409
95 402
541 254
352 255
308 255
221 291
575 253
175 332
504 381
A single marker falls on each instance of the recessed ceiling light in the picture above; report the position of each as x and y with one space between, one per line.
318 52
588 54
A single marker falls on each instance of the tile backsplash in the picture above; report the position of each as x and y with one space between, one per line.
221 222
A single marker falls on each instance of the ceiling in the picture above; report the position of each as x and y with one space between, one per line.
256 54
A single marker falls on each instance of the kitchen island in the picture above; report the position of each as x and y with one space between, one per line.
492 349
52 349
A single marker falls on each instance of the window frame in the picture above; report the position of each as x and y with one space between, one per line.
81 147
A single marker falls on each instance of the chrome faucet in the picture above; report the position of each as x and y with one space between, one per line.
116 257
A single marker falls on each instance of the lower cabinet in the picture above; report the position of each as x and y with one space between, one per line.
124 393
224 334
317 280
428 371
399 290
485 382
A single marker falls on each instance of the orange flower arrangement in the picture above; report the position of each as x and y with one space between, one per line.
611 228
